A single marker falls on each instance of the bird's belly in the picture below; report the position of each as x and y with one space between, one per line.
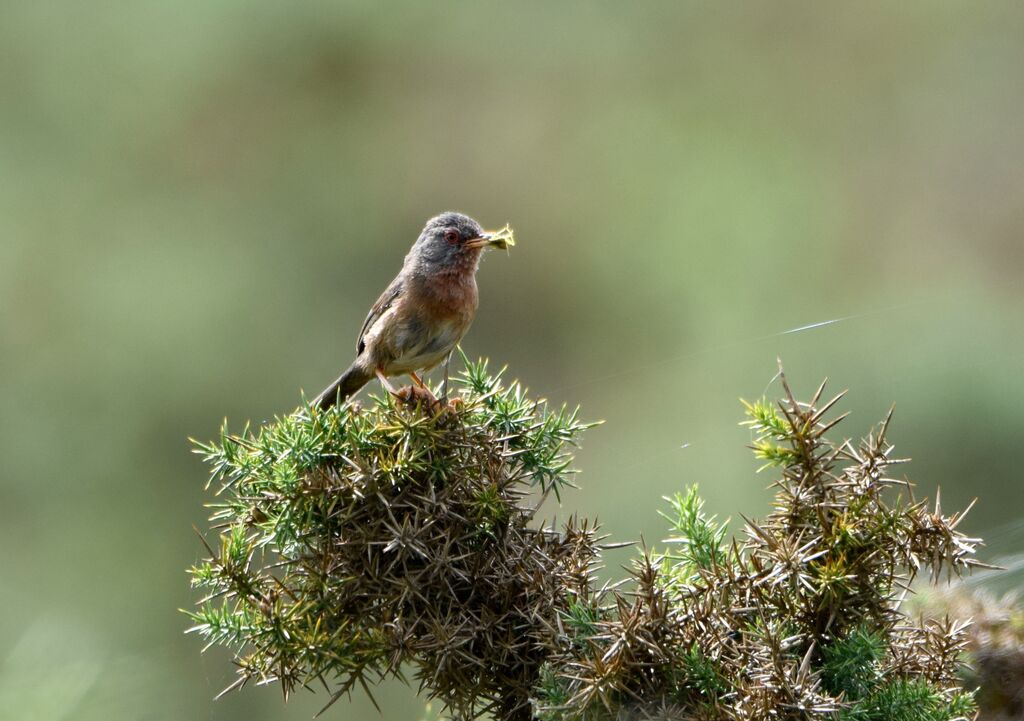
417 347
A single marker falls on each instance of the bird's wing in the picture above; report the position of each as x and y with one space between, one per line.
386 300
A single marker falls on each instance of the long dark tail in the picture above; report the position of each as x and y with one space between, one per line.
347 384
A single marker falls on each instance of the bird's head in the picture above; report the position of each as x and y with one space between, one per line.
452 242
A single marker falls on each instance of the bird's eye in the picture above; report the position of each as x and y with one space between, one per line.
451 235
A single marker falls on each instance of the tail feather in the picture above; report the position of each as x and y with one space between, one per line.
347 384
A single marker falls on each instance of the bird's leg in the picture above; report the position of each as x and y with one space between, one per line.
384 381
444 386
416 379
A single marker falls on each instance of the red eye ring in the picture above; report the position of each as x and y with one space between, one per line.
451 235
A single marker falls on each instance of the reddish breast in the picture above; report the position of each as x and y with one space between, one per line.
450 294
449 297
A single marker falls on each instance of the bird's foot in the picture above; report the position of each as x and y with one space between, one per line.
416 395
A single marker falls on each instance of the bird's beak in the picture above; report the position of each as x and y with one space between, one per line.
481 241
493 239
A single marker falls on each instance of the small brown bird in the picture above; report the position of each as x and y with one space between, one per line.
423 314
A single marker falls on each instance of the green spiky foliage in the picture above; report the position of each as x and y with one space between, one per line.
355 543
798 619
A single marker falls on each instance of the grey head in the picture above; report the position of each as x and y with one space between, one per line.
449 242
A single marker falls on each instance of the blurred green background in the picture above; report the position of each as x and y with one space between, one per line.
200 200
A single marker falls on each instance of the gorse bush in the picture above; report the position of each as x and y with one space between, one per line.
359 542
800 619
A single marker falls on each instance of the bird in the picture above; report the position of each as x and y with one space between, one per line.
425 311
